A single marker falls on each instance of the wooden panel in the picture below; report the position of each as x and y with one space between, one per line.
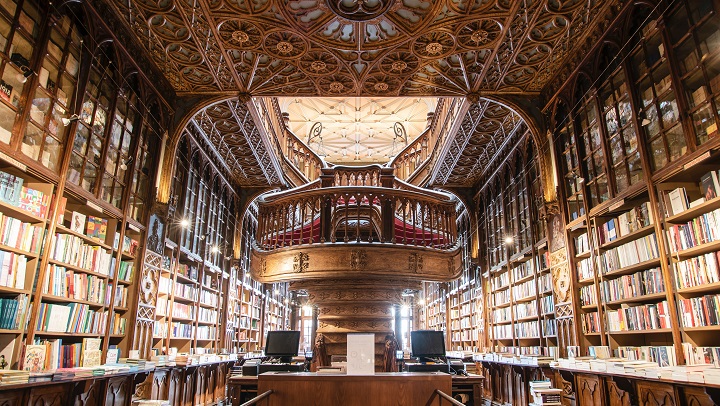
55 395
656 394
175 387
11 397
159 388
589 390
119 391
397 389
695 396
619 392
189 387
88 393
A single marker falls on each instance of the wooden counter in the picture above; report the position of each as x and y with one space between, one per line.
243 388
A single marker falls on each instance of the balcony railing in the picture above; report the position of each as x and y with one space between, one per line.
357 204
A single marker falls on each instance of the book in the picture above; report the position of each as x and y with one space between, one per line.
35 356
96 228
709 185
113 354
678 201
91 358
58 317
77 222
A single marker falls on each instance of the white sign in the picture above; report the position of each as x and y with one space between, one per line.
360 354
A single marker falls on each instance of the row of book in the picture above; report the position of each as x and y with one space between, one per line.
184 311
119 326
641 317
549 328
631 253
51 354
701 355
544 283
13 269
19 235
700 311
121 296
527 329
125 272
700 230
62 282
527 309
188 292
582 243
591 322
524 290
14 193
502 297
641 283
71 318
585 269
547 305
502 315
696 271
188 271
676 201
208 298
13 312
206 333
587 295
500 280
72 250
181 330
502 331
635 219
523 270
92 226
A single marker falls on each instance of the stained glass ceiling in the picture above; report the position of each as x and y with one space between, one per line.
357 130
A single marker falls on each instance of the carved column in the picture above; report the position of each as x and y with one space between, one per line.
354 306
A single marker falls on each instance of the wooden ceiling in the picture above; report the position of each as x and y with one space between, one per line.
366 48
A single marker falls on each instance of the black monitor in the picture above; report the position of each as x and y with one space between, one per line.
427 344
282 344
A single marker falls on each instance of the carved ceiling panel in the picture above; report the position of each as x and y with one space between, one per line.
229 134
341 48
355 48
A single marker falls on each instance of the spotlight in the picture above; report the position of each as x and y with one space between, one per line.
23 77
215 249
184 223
277 292
509 240
125 163
67 120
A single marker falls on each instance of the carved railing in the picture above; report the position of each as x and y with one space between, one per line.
304 161
351 207
412 164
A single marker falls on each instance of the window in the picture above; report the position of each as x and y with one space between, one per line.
45 132
569 163
586 118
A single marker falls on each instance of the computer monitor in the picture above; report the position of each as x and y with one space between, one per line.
282 344
427 344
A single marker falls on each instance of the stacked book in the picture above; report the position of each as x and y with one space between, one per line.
544 394
8 376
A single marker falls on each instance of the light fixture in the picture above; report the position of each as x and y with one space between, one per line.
215 249
23 77
645 122
67 120
124 164
421 302
286 301
509 240
184 223
276 291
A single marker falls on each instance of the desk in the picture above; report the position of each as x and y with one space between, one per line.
244 388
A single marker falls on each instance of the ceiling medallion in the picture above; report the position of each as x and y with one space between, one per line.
433 48
284 47
318 66
336 87
359 10
399 66
479 36
381 86
240 36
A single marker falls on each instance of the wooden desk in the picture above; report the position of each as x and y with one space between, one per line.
244 388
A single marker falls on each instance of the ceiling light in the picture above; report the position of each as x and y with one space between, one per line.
215 249
125 163
184 223
67 120
509 240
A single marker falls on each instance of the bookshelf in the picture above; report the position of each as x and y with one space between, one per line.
464 331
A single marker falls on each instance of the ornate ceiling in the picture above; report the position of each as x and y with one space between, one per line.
357 130
368 48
